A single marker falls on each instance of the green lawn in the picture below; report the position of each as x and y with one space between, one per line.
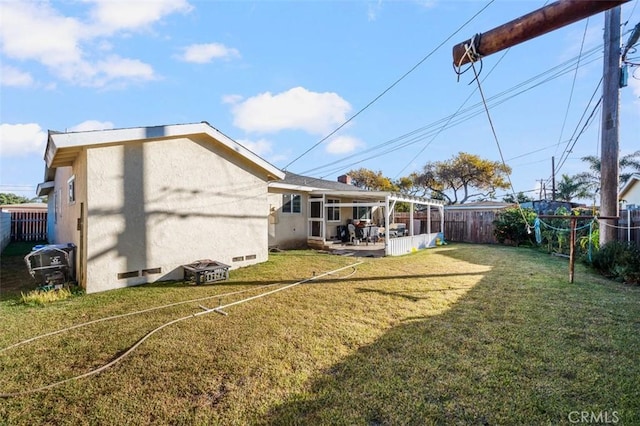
460 334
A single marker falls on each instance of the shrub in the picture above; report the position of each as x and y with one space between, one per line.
510 226
618 260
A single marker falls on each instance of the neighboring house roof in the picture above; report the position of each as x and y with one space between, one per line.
62 148
24 207
633 180
297 182
317 186
480 205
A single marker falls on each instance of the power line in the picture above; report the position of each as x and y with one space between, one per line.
390 87
462 115
573 83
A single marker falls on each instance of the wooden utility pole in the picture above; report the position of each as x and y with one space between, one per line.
610 129
534 24
549 18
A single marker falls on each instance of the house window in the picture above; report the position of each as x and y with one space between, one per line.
291 203
71 186
362 213
333 213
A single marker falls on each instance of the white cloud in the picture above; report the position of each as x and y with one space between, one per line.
91 125
373 9
205 53
343 145
111 16
231 99
34 30
72 49
22 139
261 147
115 67
10 76
295 109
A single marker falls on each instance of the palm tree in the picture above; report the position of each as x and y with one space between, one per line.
628 164
571 187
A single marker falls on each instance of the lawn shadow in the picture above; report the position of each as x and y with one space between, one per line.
14 273
507 352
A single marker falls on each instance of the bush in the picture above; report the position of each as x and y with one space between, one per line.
618 260
510 227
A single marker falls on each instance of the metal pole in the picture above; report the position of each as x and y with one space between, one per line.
572 248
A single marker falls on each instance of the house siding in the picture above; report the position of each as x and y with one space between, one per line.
157 205
65 218
287 230
632 195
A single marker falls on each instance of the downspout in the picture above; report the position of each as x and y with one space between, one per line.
429 219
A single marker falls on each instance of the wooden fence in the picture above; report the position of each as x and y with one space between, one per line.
629 226
460 226
28 226
477 226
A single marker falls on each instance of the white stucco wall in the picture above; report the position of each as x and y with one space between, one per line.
63 214
287 230
164 204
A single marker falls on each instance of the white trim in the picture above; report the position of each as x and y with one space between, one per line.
72 141
628 185
71 182
44 188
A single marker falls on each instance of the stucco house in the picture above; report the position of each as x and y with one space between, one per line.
141 202
630 192
311 212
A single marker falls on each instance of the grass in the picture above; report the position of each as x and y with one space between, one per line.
14 275
461 334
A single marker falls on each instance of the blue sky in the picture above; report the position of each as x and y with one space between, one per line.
280 76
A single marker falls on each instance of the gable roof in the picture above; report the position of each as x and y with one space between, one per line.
317 186
633 180
297 182
63 148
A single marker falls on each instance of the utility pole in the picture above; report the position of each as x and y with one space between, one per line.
609 143
549 18
531 25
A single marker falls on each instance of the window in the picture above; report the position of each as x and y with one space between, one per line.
291 203
71 185
333 213
362 213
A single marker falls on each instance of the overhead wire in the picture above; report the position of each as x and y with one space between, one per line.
495 136
395 83
444 126
573 82
461 116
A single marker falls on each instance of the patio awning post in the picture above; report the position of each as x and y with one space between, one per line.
411 208
387 213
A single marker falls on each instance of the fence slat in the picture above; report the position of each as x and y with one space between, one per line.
477 226
28 226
